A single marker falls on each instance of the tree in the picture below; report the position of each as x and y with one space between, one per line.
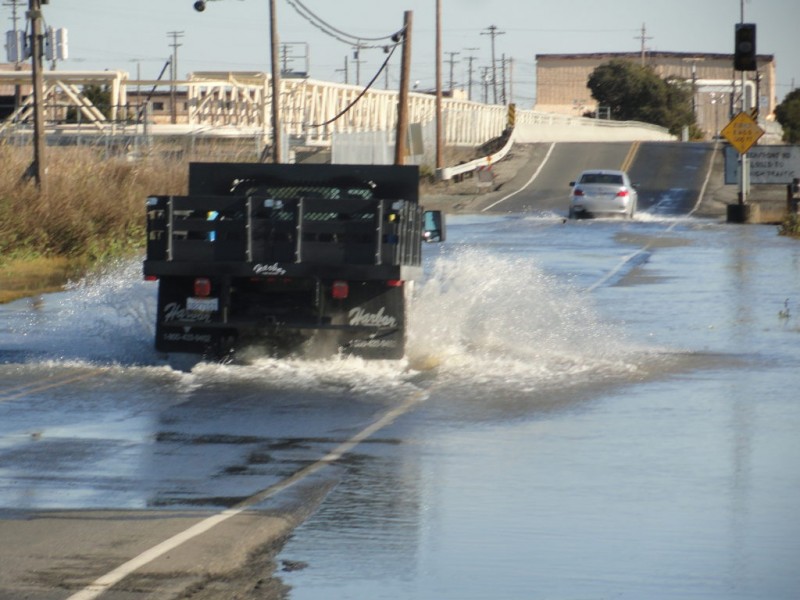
99 96
788 115
636 93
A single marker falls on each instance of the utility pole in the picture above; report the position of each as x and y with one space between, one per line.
439 160
744 166
173 74
643 37
13 4
358 61
402 96
492 31
470 60
503 75
452 61
344 70
485 79
276 84
18 63
510 81
37 168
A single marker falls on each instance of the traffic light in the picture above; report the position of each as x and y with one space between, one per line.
744 56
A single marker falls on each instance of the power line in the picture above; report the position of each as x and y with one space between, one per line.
336 33
347 108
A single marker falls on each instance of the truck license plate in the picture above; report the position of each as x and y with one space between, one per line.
202 304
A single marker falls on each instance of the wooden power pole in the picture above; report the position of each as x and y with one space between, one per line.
402 97
439 160
276 85
37 168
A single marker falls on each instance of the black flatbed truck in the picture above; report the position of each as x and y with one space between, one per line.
293 259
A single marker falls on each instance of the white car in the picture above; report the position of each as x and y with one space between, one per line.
601 192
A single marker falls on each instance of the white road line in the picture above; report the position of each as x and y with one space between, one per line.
100 585
530 181
26 389
625 260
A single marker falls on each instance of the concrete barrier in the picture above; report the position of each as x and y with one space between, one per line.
590 130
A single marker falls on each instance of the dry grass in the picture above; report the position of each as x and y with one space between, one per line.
89 207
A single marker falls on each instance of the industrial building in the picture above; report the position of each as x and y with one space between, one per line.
561 83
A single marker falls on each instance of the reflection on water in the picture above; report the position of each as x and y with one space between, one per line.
635 438
649 454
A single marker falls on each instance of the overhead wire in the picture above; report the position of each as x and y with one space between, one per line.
344 111
336 33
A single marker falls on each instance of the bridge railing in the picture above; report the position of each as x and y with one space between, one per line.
313 111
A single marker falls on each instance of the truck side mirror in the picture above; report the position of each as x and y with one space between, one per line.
434 226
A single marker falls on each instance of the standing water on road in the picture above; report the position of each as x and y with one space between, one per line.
613 415
610 410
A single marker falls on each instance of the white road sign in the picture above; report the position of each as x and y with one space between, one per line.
768 164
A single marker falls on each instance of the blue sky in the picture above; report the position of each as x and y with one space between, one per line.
234 34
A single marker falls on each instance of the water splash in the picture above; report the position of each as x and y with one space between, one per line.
106 317
500 319
505 319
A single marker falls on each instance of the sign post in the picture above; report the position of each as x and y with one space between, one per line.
742 132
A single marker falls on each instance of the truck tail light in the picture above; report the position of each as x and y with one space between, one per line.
151 278
202 287
340 290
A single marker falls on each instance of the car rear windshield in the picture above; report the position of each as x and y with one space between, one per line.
609 178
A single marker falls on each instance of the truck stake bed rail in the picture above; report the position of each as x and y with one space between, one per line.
288 257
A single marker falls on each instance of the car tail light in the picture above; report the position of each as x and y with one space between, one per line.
340 290
202 287
622 193
151 278
577 192
394 283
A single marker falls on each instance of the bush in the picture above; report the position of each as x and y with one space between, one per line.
790 226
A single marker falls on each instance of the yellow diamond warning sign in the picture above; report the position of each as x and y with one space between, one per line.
742 132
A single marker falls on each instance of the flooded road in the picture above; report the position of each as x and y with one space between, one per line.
597 409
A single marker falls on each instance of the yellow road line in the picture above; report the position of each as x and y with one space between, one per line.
626 164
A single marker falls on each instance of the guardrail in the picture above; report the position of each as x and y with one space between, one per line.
448 173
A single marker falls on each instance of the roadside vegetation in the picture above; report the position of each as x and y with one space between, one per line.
632 92
790 226
787 114
91 208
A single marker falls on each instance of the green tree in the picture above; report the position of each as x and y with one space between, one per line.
98 95
636 93
788 115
